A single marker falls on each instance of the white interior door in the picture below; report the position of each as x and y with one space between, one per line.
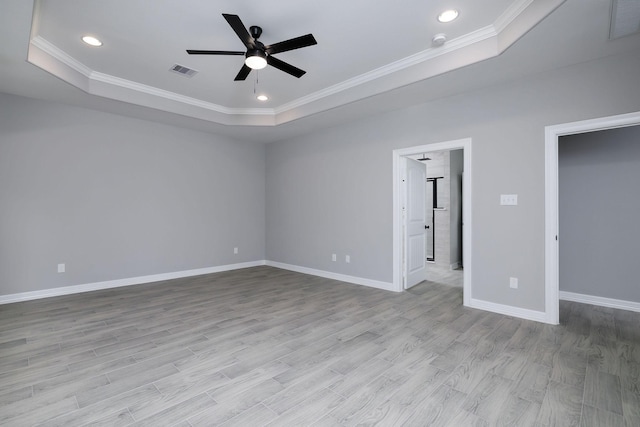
415 219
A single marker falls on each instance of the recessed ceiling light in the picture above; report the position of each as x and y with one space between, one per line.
262 98
91 41
448 15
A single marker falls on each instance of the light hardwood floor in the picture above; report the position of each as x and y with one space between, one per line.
446 276
264 346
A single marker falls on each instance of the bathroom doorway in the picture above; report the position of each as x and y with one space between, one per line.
443 229
415 153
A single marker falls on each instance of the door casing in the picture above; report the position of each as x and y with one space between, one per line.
464 144
552 231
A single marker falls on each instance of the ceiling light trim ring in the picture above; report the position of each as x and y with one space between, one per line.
448 15
91 41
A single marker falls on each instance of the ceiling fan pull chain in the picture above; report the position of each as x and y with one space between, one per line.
255 83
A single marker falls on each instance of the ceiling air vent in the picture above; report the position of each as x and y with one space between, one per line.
180 69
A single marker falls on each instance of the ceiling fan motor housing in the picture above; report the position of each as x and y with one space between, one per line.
255 31
257 55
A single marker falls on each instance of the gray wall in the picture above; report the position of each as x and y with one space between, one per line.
114 197
599 206
331 191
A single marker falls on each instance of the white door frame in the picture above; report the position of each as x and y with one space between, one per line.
464 144
552 262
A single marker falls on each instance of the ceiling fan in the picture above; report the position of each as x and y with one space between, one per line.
258 55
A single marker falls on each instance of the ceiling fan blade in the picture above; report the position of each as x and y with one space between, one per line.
243 73
213 52
291 44
283 66
240 29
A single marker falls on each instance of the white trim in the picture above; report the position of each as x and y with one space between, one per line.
484 43
510 15
551 274
464 144
462 42
335 276
601 301
52 50
94 76
552 133
88 287
508 310
161 93
455 266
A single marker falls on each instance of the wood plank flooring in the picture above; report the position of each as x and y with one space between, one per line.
264 346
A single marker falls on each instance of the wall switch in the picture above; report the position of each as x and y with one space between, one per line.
513 282
347 259
61 268
509 199
235 250
334 257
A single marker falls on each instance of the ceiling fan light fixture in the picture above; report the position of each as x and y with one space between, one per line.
256 59
257 55
448 16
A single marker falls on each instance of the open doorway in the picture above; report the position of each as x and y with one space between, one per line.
443 228
552 231
466 224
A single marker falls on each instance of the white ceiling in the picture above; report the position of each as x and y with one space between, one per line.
370 57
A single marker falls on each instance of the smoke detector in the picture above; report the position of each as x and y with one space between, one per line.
439 39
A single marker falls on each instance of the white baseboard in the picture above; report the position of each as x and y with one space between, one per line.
387 286
88 287
601 301
522 313
455 266
54 292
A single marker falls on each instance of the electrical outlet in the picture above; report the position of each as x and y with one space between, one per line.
334 257
509 199
235 250
61 268
513 282
347 259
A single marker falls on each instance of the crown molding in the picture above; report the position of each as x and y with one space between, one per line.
161 93
510 14
479 45
394 67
